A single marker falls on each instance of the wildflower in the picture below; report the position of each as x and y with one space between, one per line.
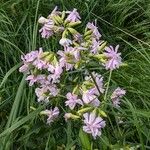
38 62
69 57
113 58
47 29
41 94
98 83
95 46
65 42
94 29
90 98
24 68
116 95
29 57
72 100
55 12
52 114
73 16
35 78
93 124
56 72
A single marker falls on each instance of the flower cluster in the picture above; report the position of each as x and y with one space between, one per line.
46 69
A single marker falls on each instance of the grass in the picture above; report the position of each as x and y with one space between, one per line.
123 22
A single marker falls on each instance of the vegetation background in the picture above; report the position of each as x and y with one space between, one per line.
123 22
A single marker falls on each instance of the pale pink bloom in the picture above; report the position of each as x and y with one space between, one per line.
47 29
113 58
55 12
53 90
93 124
30 57
69 57
117 95
99 82
90 98
52 114
94 29
33 79
24 68
73 16
78 37
72 100
95 46
41 94
65 42
98 86
56 71
40 64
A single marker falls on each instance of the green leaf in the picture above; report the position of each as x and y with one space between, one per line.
85 141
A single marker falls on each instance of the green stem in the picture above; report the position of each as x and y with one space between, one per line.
105 96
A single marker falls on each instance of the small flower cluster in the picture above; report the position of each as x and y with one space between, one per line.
45 69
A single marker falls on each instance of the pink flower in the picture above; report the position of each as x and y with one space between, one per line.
72 100
52 114
94 29
116 95
93 124
55 12
40 64
98 86
69 57
73 16
114 59
30 57
47 29
41 94
56 71
24 68
33 79
95 46
89 98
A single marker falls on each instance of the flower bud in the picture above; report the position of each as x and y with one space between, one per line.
42 20
82 111
65 42
70 116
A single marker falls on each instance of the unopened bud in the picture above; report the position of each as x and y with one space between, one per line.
42 20
65 42
84 110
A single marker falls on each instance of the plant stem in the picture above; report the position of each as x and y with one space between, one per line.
105 96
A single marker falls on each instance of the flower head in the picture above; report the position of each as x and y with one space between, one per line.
72 100
94 29
116 95
95 46
35 78
113 58
52 114
47 29
69 57
93 124
73 16
56 71
90 98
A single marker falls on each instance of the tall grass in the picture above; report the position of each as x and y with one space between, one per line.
124 22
